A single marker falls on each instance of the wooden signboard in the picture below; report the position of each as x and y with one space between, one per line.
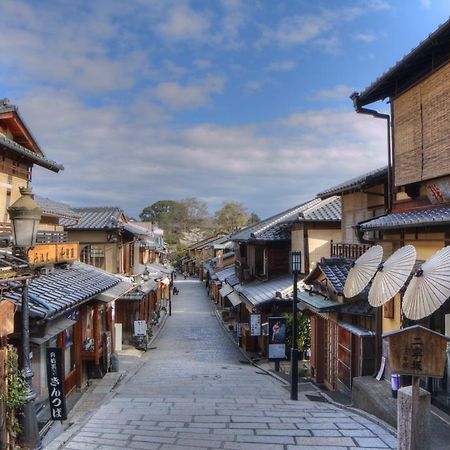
417 351
43 254
7 310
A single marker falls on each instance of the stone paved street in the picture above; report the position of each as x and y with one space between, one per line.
195 391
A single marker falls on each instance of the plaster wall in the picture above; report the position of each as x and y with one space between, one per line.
319 244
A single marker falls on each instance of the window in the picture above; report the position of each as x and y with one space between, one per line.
93 255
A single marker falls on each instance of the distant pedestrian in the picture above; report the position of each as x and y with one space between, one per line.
185 275
175 290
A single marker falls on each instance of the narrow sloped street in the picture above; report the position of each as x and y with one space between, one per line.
195 390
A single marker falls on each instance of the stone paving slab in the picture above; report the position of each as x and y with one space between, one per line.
193 392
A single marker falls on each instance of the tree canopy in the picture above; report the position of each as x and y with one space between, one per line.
183 219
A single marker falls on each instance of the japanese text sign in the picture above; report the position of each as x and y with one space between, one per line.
417 351
255 324
55 382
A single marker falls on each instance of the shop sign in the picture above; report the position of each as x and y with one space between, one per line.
277 338
140 328
107 350
52 253
55 382
255 324
438 191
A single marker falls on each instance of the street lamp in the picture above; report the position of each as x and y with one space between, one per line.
145 274
25 216
296 264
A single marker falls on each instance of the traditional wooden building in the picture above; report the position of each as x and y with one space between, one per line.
345 333
418 90
262 258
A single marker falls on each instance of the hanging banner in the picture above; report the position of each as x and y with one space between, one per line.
255 324
277 338
55 382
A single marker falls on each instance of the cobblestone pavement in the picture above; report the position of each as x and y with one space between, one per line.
196 391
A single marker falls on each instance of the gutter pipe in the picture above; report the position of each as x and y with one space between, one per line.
371 112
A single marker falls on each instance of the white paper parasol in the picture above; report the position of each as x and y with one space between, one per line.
392 275
429 288
362 271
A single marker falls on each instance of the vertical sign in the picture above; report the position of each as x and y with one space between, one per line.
107 350
55 382
140 327
255 324
277 338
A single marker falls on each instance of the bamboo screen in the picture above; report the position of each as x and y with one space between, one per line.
422 130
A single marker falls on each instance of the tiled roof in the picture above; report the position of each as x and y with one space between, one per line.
96 218
254 230
334 269
64 288
259 292
224 273
56 209
430 217
328 210
368 179
318 303
277 227
29 154
232 279
135 229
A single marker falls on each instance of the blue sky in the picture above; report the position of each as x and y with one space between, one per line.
243 100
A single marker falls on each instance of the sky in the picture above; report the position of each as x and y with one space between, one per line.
223 100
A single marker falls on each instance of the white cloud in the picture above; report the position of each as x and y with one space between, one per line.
364 37
182 22
254 85
316 27
202 64
339 92
281 66
292 155
178 97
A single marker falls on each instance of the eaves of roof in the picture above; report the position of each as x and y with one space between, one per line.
99 218
430 217
56 209
363 181
30 155
64 288
431 54
253 231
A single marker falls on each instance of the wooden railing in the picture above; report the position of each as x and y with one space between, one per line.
51 237
349 251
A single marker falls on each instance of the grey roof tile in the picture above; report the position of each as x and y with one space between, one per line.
278 227
409 219
64 288
368 179
56 209
29 154
96 217
259 292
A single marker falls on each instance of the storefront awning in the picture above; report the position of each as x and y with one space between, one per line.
115 292
234 298
53 328
225 290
